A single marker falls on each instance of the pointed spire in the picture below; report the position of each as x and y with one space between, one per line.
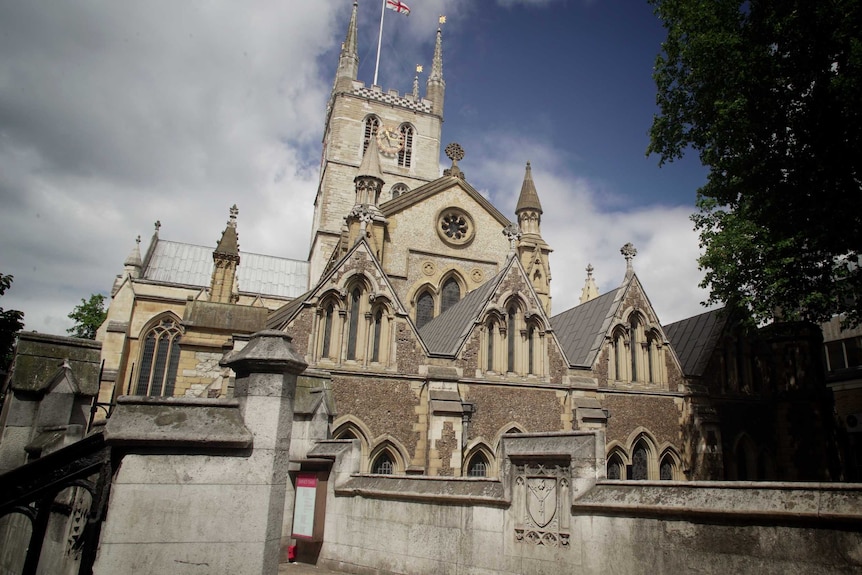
437 62
435 88
229 243
529 198
134 264
134 257
369 180
348 62
591 290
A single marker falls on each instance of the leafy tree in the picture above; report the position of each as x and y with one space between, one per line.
11 322
769 94
88 316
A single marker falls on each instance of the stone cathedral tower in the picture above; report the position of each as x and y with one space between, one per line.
407 130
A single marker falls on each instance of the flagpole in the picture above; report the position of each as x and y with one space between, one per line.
379 40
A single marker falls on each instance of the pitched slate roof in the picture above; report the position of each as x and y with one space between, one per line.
582 329
694 339
188 264
444 334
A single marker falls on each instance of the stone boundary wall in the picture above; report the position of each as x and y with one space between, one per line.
465 526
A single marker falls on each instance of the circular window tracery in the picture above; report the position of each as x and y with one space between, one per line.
455 226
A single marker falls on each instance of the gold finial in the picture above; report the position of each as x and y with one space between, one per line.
418 68
442 19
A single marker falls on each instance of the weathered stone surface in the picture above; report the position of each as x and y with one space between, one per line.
39 356
225 316
208 423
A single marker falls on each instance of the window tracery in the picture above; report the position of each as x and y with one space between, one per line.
511 342
160 356
372 124
399 189
405 155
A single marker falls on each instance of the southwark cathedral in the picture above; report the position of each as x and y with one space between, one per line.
425 316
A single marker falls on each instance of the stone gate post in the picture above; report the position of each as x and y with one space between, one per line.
266 370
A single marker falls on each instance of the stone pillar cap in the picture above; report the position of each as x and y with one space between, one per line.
268 351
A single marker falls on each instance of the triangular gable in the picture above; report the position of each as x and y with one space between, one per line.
584 329
439 185
285 314
447 333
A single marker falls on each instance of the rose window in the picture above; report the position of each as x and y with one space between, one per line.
455 226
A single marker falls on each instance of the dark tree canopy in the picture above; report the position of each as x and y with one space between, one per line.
769 94
11 322
88 316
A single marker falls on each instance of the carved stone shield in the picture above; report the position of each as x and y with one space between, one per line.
541 499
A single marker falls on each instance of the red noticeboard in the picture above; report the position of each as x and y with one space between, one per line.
305 506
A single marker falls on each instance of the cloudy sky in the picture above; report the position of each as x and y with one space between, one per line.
116 114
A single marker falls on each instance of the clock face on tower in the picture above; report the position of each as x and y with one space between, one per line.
389 140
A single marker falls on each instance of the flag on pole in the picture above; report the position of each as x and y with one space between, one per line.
398 6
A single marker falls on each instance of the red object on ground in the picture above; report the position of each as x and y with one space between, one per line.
291 553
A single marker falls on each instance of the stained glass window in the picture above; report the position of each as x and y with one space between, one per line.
424 309
640 462
451 294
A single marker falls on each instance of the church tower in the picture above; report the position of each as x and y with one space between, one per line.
406 128
532 249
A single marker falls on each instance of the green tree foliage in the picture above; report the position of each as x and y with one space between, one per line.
11 322
88 316
769 94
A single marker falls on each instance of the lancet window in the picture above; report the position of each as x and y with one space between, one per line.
636 352
160 356
513 343
372 124
424 308
352 328
451 294
405 156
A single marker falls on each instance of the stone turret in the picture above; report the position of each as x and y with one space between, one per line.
348 61
591 290
435 89
225 263
532 249
366 219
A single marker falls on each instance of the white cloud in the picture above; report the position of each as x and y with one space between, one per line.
113 116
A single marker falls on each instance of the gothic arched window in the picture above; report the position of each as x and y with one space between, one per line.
327 329
353 322
399 189
640 462
372 123
510 335
616 468
490 346
478 466
160 357
451 294
665 469
424 309
405 156
383 464
378 327
634 347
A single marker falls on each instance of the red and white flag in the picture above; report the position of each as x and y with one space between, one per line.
398 6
